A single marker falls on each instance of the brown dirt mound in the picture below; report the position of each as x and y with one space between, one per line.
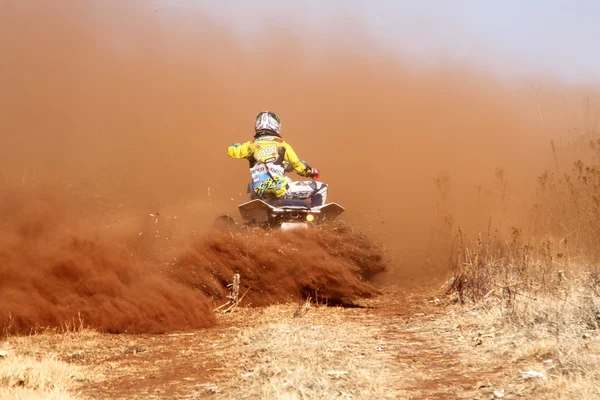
331 263
55 272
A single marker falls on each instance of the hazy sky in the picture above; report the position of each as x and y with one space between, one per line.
511 36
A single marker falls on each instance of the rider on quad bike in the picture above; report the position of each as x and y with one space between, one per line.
269 156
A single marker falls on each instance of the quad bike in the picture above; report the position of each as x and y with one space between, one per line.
287 214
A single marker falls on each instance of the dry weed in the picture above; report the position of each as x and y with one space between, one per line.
553 333
319 356
47 365
23 377
538 290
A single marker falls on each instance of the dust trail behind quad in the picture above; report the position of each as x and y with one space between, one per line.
60 272
110 114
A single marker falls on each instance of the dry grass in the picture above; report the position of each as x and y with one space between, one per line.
23 377
49 365
568 203
533 310
81 346
392 350
538 291
271 353
322 355
541 333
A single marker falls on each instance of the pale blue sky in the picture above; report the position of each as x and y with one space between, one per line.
526 37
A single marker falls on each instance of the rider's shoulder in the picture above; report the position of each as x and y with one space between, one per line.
268 138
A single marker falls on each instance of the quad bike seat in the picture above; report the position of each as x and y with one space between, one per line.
290 203
281 202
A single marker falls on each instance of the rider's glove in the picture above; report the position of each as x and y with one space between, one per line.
315 174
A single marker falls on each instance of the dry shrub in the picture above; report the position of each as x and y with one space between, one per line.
540 285
557 239
490 265
568 205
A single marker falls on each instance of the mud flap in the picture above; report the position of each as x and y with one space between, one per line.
329 211
255 211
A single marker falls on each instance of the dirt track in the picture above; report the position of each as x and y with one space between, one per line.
398 346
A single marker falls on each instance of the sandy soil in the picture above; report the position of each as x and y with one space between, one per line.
397 345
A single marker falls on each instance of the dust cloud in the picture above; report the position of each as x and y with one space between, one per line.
60 273
122 110
330 265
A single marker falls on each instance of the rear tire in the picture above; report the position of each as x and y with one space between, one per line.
224 222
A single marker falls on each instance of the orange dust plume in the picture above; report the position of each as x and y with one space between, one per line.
125 109
57 274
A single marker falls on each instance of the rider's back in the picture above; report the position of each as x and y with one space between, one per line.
266 155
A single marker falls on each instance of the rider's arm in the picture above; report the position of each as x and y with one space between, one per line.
240 150
301 167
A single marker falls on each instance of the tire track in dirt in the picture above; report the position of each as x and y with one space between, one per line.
408 352
430 355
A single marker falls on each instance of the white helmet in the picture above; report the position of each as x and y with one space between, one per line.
268 121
